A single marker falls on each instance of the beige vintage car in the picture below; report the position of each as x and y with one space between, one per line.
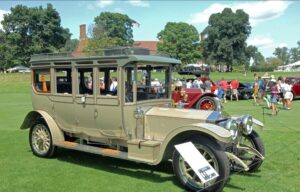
118 104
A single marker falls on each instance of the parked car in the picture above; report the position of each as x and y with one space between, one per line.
196 98
20 69
245 90
295 81
124 118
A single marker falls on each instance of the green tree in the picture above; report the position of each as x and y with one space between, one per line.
2 49
227 33
294 55
274 62
180 40
117 27
282 53
32 30
100 39
252 52
70 45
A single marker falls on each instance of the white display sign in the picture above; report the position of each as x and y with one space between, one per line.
196 161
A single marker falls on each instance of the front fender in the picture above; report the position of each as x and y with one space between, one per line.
211 130
56 133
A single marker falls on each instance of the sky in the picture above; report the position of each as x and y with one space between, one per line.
274 23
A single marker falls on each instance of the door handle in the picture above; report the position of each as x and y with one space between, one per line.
83 98
95 113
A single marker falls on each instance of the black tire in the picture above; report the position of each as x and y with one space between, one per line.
246 96
40 136
255 142
207 103
220 163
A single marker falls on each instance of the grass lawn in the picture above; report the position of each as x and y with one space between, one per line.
75 171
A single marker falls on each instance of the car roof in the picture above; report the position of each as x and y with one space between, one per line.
118 57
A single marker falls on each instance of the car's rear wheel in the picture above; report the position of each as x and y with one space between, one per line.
246 96
253 140
207 103
214 155
40 140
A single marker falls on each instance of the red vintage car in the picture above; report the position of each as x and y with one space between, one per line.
195 97
295 81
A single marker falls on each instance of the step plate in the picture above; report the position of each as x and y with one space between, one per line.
96 150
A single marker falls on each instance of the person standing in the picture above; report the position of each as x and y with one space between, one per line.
220 93
224 85
255 92
198 83
280 95
288 95
274 97
207 85
189 84
261 87
234 84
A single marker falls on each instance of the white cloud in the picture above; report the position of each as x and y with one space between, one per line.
119 10
258 11
2 12
261 42
203 16
282 45
104 3
139 3
90 7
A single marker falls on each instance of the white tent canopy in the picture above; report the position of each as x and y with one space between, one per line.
290 67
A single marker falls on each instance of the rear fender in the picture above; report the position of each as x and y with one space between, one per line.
33 116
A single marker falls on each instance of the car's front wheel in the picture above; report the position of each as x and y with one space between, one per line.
40 140
214 155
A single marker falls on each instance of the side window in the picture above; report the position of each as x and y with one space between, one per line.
41 80
63 81
152 82
129 78
108 82
85 81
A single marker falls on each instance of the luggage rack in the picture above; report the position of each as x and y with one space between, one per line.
114 51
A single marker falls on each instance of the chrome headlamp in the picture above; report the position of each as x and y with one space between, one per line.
232 126
247 124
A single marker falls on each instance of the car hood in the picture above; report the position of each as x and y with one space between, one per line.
159 122
191 114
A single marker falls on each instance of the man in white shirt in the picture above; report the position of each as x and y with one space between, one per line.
189 84
113 85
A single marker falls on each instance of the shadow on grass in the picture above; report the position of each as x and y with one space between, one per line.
119 166
228 185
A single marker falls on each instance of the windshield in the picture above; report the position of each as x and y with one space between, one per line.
152 82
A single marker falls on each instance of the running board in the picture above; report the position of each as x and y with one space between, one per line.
95 150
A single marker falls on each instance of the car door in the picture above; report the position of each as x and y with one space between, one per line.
84 102
296 88
62 99
108 115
